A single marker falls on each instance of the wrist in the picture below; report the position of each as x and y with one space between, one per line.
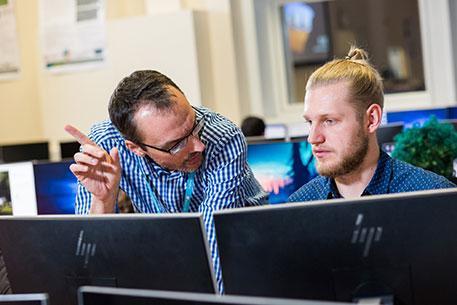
102 206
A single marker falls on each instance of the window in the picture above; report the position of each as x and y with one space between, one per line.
389 30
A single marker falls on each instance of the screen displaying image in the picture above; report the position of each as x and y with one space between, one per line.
419 117
17 189
282 167
55 188
6 207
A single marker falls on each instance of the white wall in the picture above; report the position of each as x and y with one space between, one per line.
142 42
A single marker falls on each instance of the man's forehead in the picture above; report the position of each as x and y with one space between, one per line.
163 125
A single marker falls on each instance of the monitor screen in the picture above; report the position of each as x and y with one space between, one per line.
282 167
24 299
275 131
400 245
24 152
58 254
411 117
119 296
17 189
386 133
56 188
69 149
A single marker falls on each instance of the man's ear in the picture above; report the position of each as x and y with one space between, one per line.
135 148
374 115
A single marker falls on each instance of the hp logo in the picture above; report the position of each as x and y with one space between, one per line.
365 235
85 249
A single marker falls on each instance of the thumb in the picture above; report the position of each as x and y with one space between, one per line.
114 154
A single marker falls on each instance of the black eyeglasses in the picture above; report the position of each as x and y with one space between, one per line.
195 132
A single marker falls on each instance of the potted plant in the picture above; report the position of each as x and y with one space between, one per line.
432 146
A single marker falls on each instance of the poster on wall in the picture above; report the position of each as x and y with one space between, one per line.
73 34
9 48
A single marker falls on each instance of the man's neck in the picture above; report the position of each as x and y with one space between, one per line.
353 184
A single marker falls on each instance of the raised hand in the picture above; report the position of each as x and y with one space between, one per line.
98 171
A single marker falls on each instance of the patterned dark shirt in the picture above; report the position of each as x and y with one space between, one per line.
391 176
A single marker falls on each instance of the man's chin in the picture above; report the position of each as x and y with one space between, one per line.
193 164
329 171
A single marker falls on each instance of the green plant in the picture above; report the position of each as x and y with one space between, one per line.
432 146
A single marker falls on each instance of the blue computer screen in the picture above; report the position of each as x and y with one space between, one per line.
55 187
282 167
409 118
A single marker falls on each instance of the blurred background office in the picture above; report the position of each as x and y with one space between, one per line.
237 57
61 59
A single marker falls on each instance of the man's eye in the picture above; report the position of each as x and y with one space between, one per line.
329 122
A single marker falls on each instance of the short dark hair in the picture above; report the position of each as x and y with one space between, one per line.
145 87
253 126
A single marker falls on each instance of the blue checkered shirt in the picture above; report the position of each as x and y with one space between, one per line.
391 176
223 181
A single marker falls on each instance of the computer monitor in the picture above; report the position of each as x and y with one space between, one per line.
119 296
58 254
17 189
282 168
69 149
24 299
402 245
276 131
24 152
412 117
386 133
55 187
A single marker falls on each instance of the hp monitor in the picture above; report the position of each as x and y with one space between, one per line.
58 254
399 248
119 296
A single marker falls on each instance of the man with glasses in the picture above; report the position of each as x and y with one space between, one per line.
168 156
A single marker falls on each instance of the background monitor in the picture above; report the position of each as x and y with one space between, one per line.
411 117
402 245
119 296
276 131
17 189
57 254
56 187
282 167
24 152
69 149
24 299
386 133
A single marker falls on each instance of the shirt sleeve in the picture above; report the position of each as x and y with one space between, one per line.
230 184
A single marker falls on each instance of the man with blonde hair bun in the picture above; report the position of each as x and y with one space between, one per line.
343 108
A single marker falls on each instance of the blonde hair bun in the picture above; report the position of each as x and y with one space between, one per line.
357 54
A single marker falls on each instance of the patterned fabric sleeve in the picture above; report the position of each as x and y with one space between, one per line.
230 184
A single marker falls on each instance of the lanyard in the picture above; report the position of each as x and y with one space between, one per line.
188 194
189 191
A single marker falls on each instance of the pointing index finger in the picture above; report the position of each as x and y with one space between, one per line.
78 135
83 139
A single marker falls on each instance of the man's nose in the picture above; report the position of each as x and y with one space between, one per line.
315 135
197 144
